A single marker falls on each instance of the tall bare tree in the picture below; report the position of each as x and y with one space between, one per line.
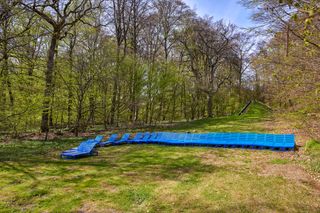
208 46
61 16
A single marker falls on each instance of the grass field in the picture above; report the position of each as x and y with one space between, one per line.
152 178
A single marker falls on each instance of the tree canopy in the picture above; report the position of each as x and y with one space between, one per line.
75 64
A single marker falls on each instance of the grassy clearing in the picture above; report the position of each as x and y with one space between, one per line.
151 178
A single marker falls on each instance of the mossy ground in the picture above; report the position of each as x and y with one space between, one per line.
155 178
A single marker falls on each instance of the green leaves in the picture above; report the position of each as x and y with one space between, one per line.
295 17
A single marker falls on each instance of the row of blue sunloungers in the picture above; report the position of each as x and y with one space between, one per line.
282 142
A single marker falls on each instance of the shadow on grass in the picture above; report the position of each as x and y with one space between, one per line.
17 168
129 161
30 149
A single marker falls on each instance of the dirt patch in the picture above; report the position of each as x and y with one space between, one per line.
91 207
109 187
215 160
291 172
165 191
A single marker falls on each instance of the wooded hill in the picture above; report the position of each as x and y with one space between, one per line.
73 64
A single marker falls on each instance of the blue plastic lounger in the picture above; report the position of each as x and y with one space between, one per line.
195 139
210 139
85 149
187 139
87 142
283 142
145 137
124 139
153 137
181 139
171 138
156 137
99 138
96 140
163 137
202 140
225 139
110 140
174 138
136 138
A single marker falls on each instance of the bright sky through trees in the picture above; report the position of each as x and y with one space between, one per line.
228 10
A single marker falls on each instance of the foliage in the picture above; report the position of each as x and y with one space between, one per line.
286 66
75 65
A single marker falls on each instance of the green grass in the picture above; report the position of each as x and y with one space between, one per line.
152 178
255 115
313 150
280 161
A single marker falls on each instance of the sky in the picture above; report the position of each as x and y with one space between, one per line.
228 10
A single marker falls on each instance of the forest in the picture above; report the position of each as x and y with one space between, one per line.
71 65
153 106
77 64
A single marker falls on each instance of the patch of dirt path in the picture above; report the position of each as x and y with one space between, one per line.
294 172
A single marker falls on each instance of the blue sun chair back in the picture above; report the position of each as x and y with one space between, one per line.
97 140
84 149
110 140
153 137
145 137
136 138
125 137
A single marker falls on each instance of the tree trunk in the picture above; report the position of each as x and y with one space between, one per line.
5 74
114 102
133 95
193 107
79 114
104 106
48 86
118 106
239 88
151 113
146 113
209 105
70 93
173 112
137 114
91 117
160 109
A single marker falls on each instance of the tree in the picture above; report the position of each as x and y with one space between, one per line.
14 25
116 63
242 52
139 11
61 16
208 46
300 18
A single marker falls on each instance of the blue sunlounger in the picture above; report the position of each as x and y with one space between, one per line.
110 140
84 149
124 139
136 138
